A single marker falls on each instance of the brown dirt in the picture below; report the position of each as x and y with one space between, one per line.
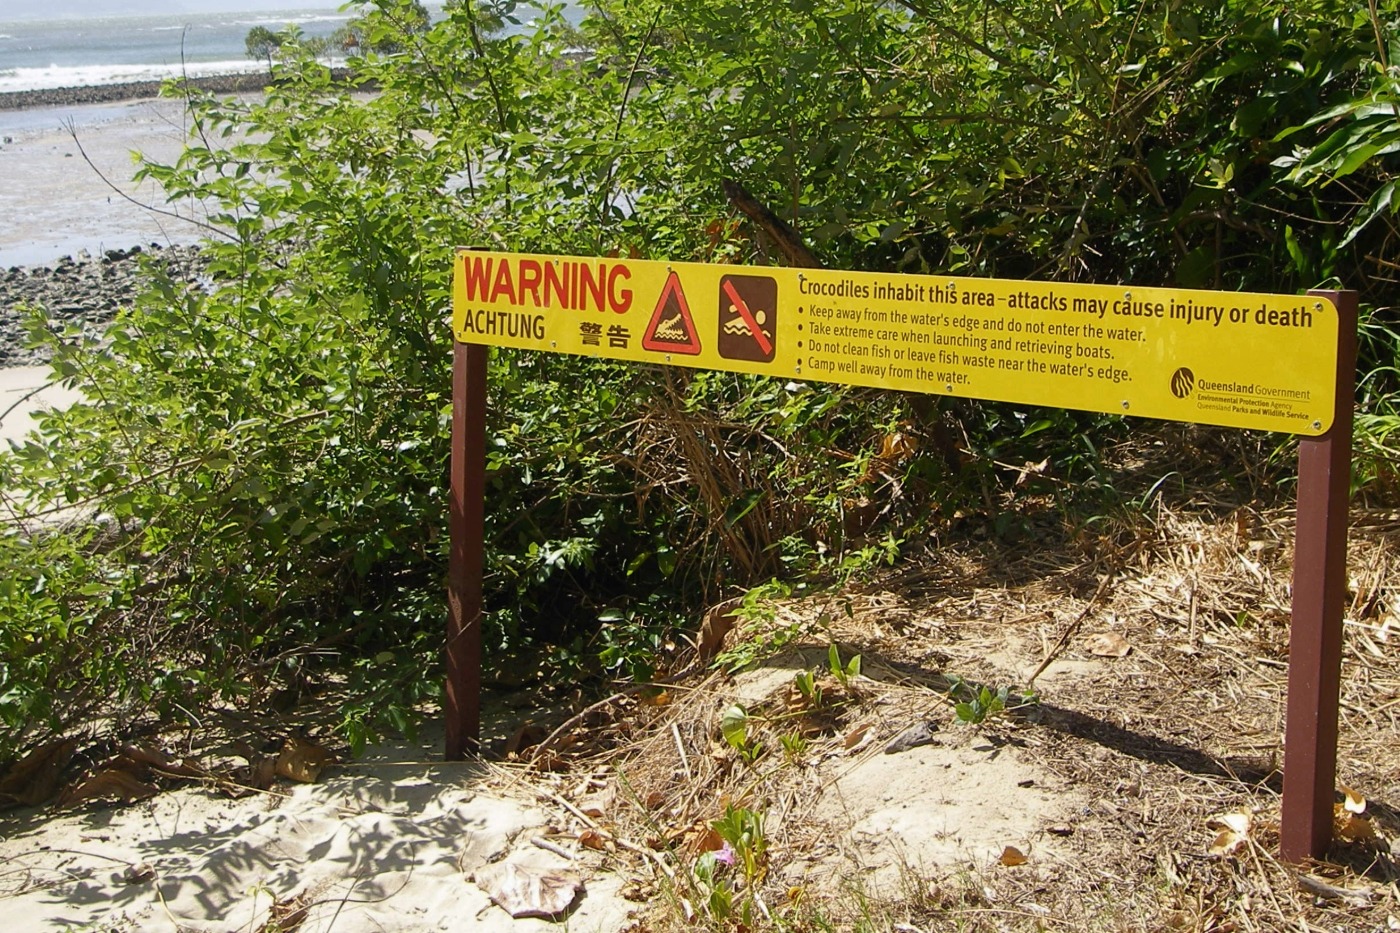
1163 712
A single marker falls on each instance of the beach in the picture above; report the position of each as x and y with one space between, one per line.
68 180
77 225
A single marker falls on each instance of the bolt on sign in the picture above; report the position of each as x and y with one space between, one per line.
1236 359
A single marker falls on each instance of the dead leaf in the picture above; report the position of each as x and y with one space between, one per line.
597 805
143 753
1350 826
139 874
1012 856
528 735
656 698
524 891
287 916
1355 803
262 771
1030 468
302 761
719 621
148 756
112 784
34 778
705 839
857 737
655 799
897 446
594 839
1108 645
1232 832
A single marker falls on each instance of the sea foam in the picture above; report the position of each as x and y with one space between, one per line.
56 76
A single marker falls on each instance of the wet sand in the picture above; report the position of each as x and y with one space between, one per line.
54 203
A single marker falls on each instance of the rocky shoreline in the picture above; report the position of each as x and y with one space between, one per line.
250 82
85 290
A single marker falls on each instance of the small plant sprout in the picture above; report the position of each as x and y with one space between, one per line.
844 674
715 884
794 745
974 704
729 877
806 683
742 830
983 705
734 726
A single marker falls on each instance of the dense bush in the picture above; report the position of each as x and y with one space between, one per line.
266 454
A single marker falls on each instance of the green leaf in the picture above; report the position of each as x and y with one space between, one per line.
1380 201
1382 145
734 725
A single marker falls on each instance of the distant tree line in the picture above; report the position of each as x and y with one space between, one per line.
356 36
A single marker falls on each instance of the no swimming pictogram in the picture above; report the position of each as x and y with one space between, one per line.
672 329
748 317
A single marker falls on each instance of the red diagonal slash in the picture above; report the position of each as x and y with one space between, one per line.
747 315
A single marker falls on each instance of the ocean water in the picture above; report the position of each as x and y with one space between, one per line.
53 203
71 52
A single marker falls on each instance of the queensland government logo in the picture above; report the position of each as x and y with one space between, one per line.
1183 381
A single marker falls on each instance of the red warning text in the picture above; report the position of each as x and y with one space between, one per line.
570 285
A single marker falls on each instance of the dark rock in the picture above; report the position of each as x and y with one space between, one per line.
242 83
87 294
921 733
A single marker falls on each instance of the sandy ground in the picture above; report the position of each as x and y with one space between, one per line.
379 844
398 840
55 203
24 391
1094 808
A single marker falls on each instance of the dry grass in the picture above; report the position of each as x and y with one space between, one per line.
1148 746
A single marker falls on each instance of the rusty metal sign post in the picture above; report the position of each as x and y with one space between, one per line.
1273 362
1319 596
466 561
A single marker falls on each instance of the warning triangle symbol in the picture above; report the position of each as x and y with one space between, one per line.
672 330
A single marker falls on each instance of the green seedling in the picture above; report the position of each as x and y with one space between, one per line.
984 705
729 878
975 705
794 745
742 828
806 682
843 674
734 726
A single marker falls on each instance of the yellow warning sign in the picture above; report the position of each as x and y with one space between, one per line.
1229 358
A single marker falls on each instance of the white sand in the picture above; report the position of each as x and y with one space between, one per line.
373 847
25 391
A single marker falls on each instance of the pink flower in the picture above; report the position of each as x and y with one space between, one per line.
725 854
